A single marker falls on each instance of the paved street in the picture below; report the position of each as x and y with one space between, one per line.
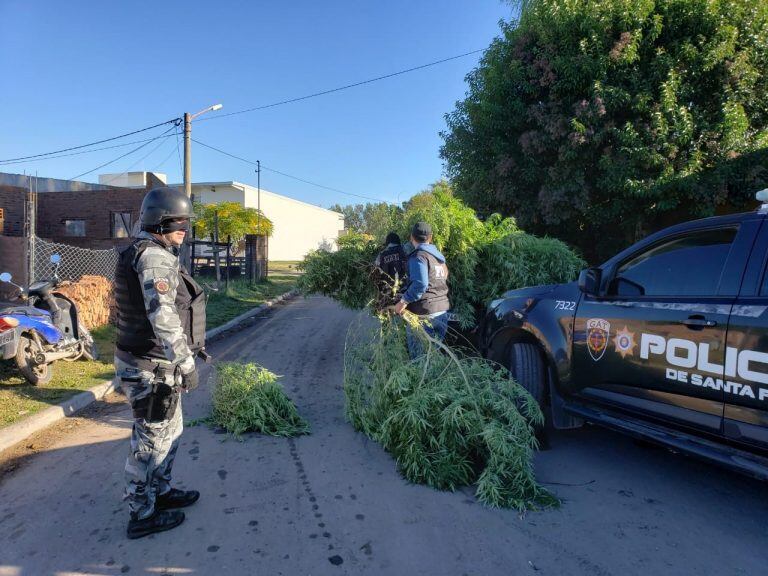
333 503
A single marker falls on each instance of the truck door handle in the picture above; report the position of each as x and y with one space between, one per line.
698 322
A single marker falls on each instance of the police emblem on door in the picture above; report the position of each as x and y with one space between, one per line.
598 331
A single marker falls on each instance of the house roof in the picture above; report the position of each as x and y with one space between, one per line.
235 184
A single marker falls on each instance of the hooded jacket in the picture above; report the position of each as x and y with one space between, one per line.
427 291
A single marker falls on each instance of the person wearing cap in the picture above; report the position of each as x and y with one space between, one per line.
160 331
390 269
427 292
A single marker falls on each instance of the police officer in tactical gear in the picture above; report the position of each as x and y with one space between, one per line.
390 270
160 331
427 291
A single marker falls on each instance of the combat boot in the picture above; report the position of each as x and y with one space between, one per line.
176 498
160 521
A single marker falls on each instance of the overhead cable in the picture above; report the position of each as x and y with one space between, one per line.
340 88
175 121
253 163
123 145
147 155
123 155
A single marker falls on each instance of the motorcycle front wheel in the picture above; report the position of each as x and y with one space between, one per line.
25 361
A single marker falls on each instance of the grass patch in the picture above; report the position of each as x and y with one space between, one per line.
284 267
248 398
242 296
448 421
19 399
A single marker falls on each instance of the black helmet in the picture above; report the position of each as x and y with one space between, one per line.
161 205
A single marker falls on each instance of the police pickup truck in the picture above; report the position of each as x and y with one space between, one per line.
666 341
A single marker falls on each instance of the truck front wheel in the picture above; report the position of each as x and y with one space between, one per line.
527 368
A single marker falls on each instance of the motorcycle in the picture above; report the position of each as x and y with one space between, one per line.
42 329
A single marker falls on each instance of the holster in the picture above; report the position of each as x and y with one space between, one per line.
160 404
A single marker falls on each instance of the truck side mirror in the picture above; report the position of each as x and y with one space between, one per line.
589 281
5 277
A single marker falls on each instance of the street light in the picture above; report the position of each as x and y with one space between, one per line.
186 255
188 145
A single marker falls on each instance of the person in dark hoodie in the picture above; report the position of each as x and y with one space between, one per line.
427 291
390 270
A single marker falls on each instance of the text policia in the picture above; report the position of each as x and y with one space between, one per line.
683 353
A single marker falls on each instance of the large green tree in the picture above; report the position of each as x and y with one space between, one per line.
599 121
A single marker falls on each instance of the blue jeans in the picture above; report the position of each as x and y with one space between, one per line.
436 327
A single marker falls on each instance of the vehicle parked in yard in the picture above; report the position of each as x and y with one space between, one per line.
42 328
667 341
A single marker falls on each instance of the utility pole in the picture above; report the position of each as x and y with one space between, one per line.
185 251
258 217
188 154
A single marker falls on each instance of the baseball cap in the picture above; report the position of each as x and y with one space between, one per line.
421 231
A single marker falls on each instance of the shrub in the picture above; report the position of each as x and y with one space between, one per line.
485 259
518 260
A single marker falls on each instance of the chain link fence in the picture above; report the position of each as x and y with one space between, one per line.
75 262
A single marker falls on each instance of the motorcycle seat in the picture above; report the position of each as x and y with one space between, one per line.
16 308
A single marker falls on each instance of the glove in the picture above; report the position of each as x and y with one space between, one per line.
190 380
188 372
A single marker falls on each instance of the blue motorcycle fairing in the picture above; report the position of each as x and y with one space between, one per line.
41 324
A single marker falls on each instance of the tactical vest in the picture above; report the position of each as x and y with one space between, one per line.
392 262
134 331
435 298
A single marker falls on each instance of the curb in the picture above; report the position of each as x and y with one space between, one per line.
213 332
20 431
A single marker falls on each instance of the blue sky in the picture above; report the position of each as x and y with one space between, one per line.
79 71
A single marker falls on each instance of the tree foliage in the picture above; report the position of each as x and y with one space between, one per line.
376 219
484 259
235 220
599 121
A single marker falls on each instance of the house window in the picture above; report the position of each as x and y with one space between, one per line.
74 227
121 224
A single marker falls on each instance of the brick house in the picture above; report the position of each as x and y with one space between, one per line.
81 214
77 213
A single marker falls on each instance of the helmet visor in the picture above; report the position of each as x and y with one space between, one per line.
176 225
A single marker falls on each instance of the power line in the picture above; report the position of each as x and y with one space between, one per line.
178 152
86 151
174 121
340 88
123 155
147 155
220 151
157 167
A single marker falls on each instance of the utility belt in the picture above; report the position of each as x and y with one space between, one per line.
160 404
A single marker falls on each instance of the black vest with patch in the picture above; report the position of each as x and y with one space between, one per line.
435 298
134 331
393 262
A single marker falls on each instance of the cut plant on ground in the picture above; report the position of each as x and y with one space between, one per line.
249 398
448 421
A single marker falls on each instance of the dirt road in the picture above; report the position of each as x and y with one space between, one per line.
333 503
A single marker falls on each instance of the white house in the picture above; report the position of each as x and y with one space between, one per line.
298 227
